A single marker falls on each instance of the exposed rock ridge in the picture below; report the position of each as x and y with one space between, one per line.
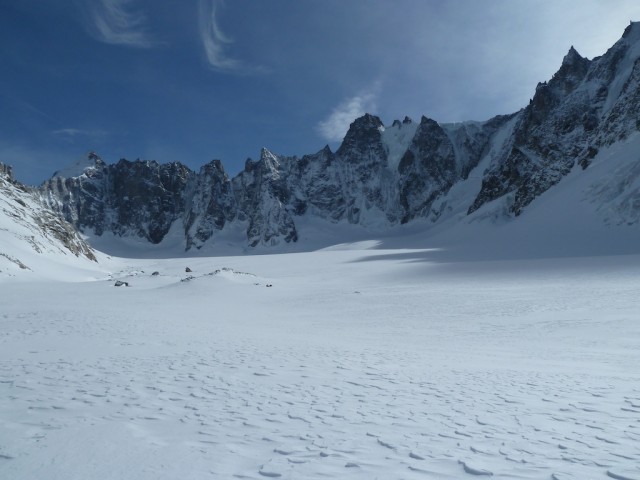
379 176
587 104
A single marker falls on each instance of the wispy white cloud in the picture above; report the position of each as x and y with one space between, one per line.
117 23
66 132
335 126
70 134
213 38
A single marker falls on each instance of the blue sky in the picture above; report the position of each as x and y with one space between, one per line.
194 80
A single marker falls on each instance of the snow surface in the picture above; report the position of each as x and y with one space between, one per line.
357 362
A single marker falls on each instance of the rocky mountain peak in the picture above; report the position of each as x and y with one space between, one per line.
398 124
6 172
213 166
326 150
364 134
267 155
572 57
94 157
572 71
426 122
365 122
632 32
269 158
377 177
87 164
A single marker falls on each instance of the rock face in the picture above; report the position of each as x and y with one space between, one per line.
263 199
437 158
129 198
210 204
379 176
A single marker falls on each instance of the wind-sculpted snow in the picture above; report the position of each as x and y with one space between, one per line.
343 363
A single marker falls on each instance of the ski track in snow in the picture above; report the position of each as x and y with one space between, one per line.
344 369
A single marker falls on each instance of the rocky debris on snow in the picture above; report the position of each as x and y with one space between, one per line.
229 270
15 260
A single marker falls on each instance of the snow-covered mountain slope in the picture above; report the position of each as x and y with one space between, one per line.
380 177
34 241
588 104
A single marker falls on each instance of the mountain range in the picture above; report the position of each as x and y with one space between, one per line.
380 176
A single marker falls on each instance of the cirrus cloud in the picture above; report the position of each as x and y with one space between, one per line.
71 134
214 40
117 23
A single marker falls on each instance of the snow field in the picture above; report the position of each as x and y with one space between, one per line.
356 364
